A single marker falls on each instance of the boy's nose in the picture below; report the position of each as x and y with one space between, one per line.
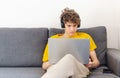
72 28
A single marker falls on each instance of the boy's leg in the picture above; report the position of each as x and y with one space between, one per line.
66 67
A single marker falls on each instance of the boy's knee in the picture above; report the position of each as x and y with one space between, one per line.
70 56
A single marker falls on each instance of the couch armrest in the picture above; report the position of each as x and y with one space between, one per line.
113 60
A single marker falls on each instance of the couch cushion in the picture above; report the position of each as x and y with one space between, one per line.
99 36
21 72
22 46
98 73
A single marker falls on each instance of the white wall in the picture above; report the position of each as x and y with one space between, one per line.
45 13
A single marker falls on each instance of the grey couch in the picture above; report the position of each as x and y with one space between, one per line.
21 51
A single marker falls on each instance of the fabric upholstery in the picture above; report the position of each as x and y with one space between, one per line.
21 72
22 46
21 51
98 73
113 60
99 36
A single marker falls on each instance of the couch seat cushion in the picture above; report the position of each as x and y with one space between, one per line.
21 72
98 73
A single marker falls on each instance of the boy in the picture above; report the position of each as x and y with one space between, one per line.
69 66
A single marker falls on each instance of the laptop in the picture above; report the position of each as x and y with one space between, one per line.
59 47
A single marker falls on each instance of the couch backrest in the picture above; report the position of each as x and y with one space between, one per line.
98 34
22 46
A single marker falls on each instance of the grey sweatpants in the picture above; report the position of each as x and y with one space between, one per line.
66 67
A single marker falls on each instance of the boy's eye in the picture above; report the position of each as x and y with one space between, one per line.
69 25
74 25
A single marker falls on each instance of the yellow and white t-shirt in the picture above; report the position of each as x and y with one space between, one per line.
77 35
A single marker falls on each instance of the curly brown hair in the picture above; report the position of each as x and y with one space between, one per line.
69 15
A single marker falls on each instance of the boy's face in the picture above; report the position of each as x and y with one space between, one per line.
70 28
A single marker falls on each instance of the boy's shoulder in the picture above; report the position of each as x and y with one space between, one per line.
56 36
83 34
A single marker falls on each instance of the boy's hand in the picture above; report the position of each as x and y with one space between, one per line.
46 65
90 65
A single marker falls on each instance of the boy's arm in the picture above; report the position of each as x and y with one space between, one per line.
93 62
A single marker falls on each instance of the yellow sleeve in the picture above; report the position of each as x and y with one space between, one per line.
92 44
45 55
